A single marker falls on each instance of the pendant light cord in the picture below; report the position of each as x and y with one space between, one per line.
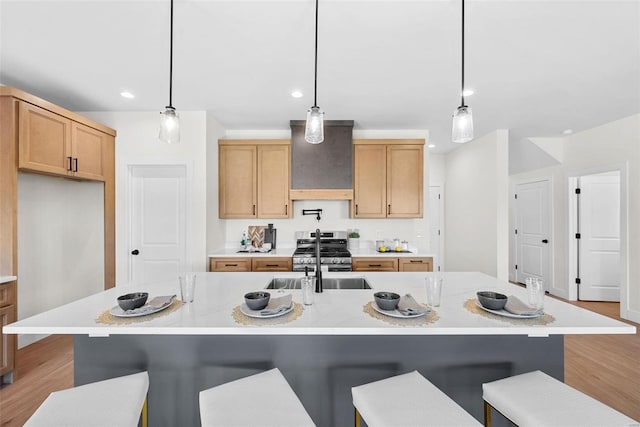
462 89
315 73
171 59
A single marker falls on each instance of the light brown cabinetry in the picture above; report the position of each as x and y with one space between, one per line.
254 178
230 264
392 264
374 264
245 264
7 342
415 264
271 264
52 144
388 178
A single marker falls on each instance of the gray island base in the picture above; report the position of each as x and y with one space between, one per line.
321 369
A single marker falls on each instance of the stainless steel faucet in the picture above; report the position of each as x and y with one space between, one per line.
318 263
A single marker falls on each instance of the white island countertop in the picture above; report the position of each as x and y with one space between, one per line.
334 312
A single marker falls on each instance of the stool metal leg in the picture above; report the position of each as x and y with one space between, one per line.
487 414
144 413
358 418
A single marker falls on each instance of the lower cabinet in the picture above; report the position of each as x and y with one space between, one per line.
7 342
246 264
392 264
374 264
415 264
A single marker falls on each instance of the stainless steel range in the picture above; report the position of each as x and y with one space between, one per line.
333 251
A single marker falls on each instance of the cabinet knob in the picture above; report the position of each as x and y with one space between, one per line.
135 252
545 241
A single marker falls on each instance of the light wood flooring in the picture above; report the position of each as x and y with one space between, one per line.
606 367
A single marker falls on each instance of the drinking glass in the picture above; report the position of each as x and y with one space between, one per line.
535 292
307 290
187 286
434 290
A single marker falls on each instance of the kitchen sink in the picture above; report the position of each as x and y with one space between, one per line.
327 283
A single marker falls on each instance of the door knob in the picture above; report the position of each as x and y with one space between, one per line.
545 241
135 252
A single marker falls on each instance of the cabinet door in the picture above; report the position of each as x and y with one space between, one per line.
230 264
7 342
237 181
374 264
271 264
404 181
274 180
44 141
415 264
370 177
87 146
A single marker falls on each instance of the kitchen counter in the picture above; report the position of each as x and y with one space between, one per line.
371 252
330 348
233 253
7 279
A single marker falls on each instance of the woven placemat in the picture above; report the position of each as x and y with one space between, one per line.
109 319
545 319
243 319
427 319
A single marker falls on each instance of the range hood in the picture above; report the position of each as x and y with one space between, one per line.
322 171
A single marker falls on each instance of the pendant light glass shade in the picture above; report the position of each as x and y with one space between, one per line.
169 126
169 122
314 129
462 129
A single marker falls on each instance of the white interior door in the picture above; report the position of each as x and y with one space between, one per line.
435 204
599 219
158 247
533 225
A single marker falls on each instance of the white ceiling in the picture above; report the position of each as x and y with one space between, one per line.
537 67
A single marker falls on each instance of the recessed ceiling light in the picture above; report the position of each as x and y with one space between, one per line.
567 131
296 94
126 94
431 146
467 92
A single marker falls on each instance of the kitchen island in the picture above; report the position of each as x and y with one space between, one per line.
333 344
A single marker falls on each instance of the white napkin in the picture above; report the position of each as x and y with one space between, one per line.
274 303
516 306
408 302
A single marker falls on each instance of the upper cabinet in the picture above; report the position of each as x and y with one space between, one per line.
388 178
254 178
52 144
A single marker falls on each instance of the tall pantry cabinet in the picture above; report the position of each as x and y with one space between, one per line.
37 136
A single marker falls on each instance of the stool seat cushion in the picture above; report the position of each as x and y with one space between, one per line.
264 399
113 402
536 399
408 400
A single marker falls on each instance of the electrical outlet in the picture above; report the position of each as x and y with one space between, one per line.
418 234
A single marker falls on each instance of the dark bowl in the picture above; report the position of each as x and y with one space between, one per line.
132 301
257 300
387 300
492 300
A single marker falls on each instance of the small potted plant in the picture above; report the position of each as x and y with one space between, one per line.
354 239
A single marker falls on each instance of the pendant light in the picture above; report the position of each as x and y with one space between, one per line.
462 129
169 123
314 129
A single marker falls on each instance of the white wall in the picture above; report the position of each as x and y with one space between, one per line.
60 243
216 230
335 214
137 144
612 146
476 206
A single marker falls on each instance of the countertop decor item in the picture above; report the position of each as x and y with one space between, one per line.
256 235
169 122
314 130
387 300
257 300
133 300
492 300
462 128
353 239
474 307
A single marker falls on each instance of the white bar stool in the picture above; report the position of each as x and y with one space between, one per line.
118 402
536 399
264 399
407 400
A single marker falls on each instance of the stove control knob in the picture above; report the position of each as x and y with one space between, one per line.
335 261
